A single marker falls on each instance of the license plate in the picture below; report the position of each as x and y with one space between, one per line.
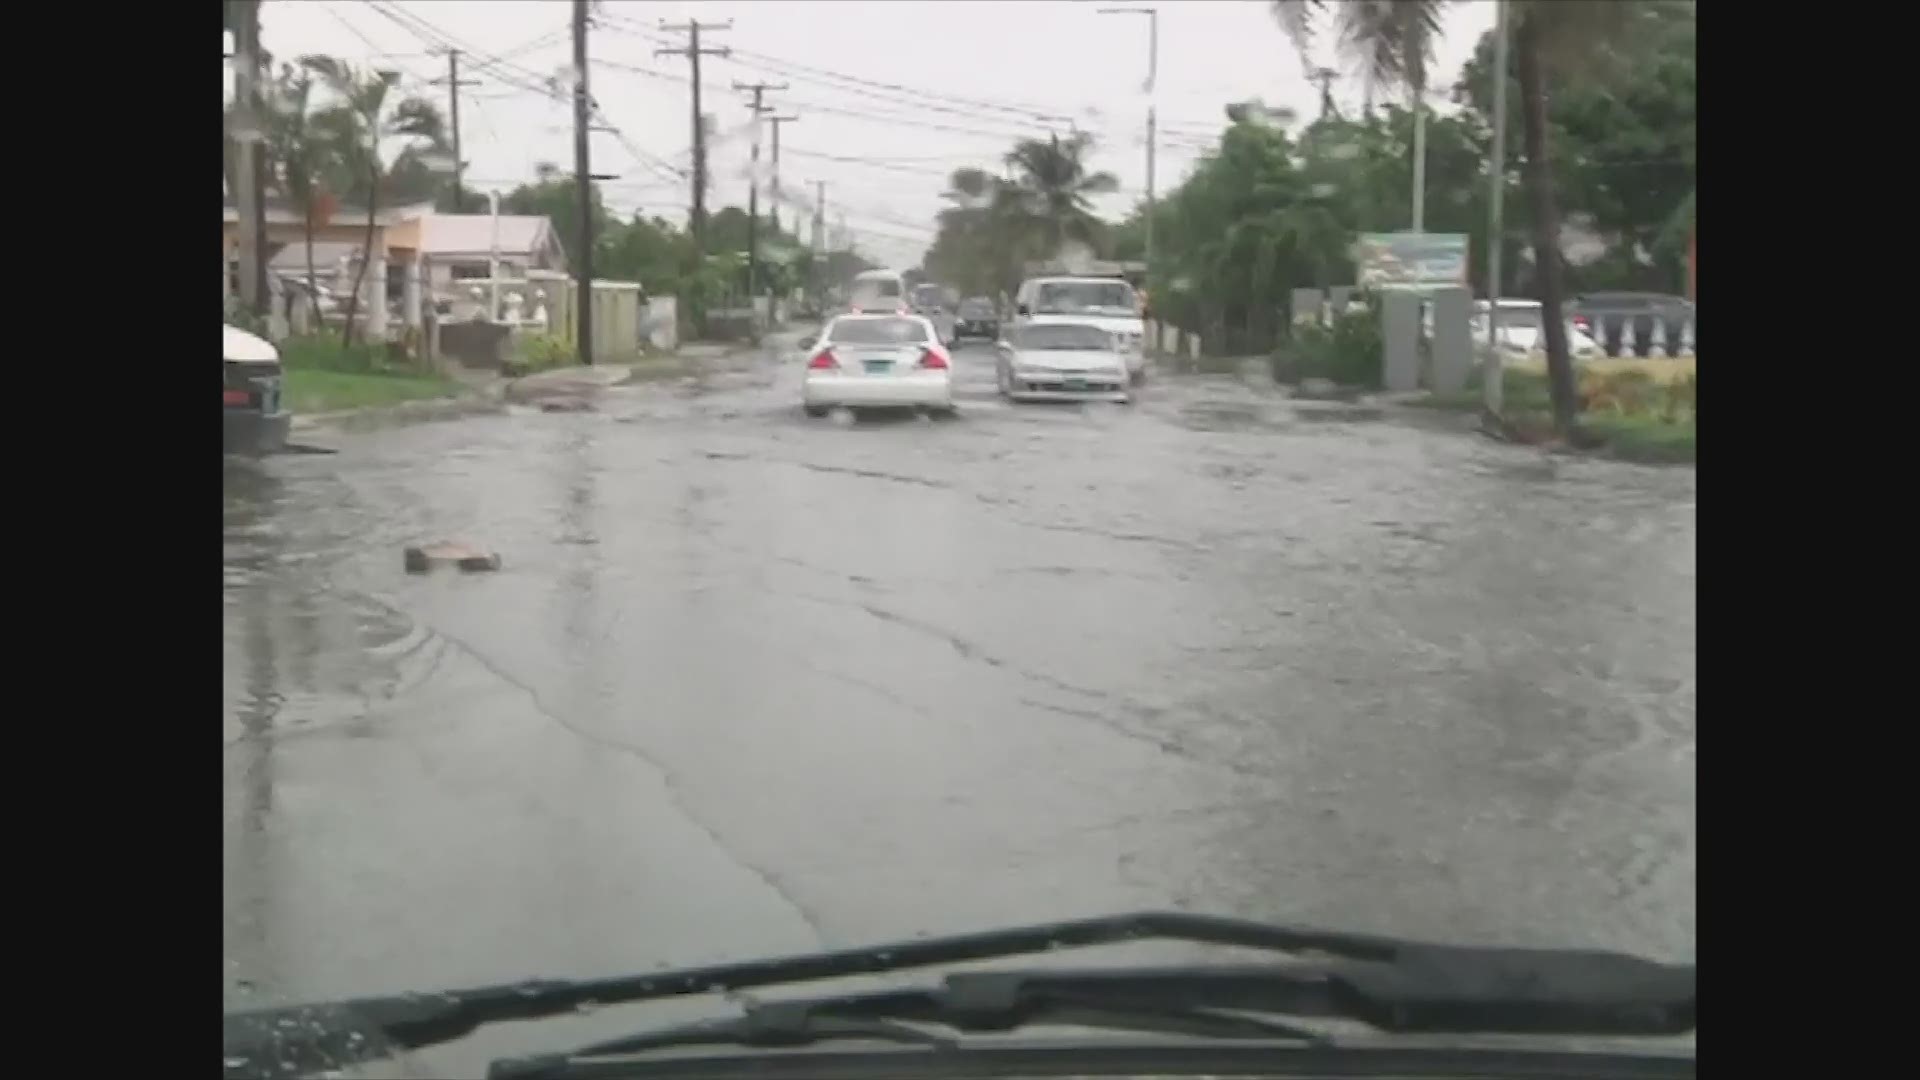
879 367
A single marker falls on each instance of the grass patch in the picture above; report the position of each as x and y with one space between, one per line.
1639 415
320 374
1645 438
311 390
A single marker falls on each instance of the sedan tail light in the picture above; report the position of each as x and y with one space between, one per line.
933 360
823 360
235 397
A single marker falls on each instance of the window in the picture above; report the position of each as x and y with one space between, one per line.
877 332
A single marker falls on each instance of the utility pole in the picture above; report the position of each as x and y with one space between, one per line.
248 136
454 83
1325 77
819 238
697 213
1490 376
583 187
774 202
759 109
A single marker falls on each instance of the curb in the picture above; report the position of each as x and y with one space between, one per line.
406 411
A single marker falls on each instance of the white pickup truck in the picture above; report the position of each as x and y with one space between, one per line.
1105 302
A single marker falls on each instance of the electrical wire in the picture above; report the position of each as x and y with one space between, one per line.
1027 113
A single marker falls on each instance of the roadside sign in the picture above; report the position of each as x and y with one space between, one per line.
1409 260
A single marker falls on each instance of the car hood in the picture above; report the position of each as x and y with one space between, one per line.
248 348
1068 360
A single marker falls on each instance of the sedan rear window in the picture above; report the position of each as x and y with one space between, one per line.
1062 336
877 332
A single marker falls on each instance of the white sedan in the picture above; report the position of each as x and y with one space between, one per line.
1062 361
877 362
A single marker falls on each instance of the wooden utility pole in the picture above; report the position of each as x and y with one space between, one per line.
454 83
248 136
773 209
583 187
820 244
697 211
759 109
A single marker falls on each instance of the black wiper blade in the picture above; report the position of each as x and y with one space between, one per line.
990 1002
1416 978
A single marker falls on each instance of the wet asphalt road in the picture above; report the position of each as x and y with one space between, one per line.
751 683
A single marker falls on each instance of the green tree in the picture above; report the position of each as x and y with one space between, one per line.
553 195
1562 42
1626 138
1391 41
365 121
303 160
1052 188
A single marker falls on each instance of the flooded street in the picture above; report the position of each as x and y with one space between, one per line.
752 683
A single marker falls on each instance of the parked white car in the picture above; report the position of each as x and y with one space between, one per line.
256 420
1520 325
877 362
1059 361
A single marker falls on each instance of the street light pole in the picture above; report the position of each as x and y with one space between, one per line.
1153 71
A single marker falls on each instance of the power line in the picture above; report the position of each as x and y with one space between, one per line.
924 95
357 32
487 63
878 163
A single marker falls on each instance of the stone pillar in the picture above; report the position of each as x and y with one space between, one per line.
1400 339
1452 341
376 299
410 306
1338 297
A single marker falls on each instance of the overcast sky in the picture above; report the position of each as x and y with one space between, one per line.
938 84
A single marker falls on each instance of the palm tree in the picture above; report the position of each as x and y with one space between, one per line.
1392 43
359 125
989 225
301 156
1052 187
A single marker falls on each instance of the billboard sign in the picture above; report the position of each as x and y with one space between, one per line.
1411 260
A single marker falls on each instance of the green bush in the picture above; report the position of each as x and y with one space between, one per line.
1348 352
539 352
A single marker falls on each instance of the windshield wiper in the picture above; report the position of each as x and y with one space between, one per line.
983 1002
1397 985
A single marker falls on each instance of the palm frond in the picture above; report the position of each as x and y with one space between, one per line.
419 118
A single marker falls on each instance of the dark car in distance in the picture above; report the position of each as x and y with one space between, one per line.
977 318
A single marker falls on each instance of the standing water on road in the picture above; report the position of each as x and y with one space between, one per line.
750 683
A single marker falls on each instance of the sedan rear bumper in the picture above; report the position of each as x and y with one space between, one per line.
928 390
249 431
1118 396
